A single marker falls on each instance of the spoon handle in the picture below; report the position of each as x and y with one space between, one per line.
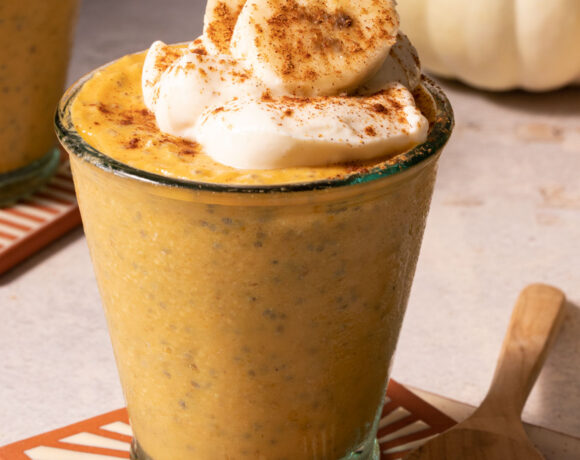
533 327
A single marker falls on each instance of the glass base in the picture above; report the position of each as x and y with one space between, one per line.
373 452
137 453
369 452
369 449
25 181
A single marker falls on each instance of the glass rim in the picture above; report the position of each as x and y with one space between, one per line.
439 133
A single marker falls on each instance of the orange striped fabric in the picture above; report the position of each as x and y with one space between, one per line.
32 223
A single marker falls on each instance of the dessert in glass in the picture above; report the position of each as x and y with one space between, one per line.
36 37
254 224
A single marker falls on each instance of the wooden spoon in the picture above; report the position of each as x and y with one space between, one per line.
495 430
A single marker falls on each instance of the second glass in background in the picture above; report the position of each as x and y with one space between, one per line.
36 38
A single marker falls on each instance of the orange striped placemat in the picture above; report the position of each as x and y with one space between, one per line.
407 422
33 222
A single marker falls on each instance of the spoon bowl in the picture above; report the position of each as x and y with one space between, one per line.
481 445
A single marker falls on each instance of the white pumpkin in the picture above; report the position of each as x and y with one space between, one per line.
497 44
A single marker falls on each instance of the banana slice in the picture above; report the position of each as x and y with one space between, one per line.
315 47
218 24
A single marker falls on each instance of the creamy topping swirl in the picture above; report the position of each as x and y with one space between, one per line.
249 111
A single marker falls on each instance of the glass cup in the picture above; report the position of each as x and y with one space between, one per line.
36 37
255 322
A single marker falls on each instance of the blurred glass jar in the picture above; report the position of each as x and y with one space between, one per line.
35 43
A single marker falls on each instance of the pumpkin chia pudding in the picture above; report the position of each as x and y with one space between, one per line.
255 239
36 36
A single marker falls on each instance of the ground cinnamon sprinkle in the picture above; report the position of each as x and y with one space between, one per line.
103 108
133 143
241 76
370 131
127 120
144 118
147 132
266 96
401 119
168 57
220 30
298 101
185 147
396 105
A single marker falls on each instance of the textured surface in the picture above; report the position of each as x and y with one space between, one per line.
505 213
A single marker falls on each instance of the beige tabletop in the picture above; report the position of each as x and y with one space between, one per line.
506 212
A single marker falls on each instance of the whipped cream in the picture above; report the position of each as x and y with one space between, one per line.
249 116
